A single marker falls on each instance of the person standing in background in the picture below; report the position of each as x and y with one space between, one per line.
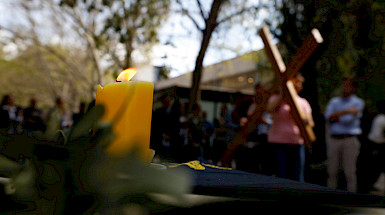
8 106
254 155
208 131
343 114
33 118
59 118
376 158
263 153
165 127
195 125
76 117
5 121
221 125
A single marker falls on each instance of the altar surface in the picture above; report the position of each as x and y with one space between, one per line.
228 191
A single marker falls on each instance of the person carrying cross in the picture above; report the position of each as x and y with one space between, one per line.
285 135
287 78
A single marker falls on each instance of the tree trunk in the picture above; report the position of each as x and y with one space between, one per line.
127 59
95 57
211 24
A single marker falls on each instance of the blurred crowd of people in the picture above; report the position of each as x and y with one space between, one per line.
15 119
180 135
274 146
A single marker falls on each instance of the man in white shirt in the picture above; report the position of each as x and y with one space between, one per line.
377 131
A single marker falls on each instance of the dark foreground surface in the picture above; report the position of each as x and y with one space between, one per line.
223 191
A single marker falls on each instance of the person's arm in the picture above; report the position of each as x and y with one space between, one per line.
309 120
335 117
275 99
273 102
306 108
251 109
332 115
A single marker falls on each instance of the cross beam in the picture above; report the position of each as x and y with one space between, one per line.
285 73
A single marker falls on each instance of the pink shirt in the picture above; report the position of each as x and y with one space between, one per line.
284 129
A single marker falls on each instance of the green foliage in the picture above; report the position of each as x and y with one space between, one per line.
353 34
8 166
80 166
132 23
136 22
164 72
45 73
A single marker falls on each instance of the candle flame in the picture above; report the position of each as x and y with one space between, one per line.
126 74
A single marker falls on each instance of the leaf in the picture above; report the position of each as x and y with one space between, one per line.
104 134
116 178
61 137
53 123
23 177
82 128
7 165
24 182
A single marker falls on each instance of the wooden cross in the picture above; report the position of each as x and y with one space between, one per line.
285 73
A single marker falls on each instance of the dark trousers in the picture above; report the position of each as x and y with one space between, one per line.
291 161
257 159
370 164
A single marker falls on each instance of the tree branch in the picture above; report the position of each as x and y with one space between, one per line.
201 9
227 18
186 12
74 71
289 45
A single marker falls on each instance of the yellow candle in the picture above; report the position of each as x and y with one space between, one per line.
128 105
